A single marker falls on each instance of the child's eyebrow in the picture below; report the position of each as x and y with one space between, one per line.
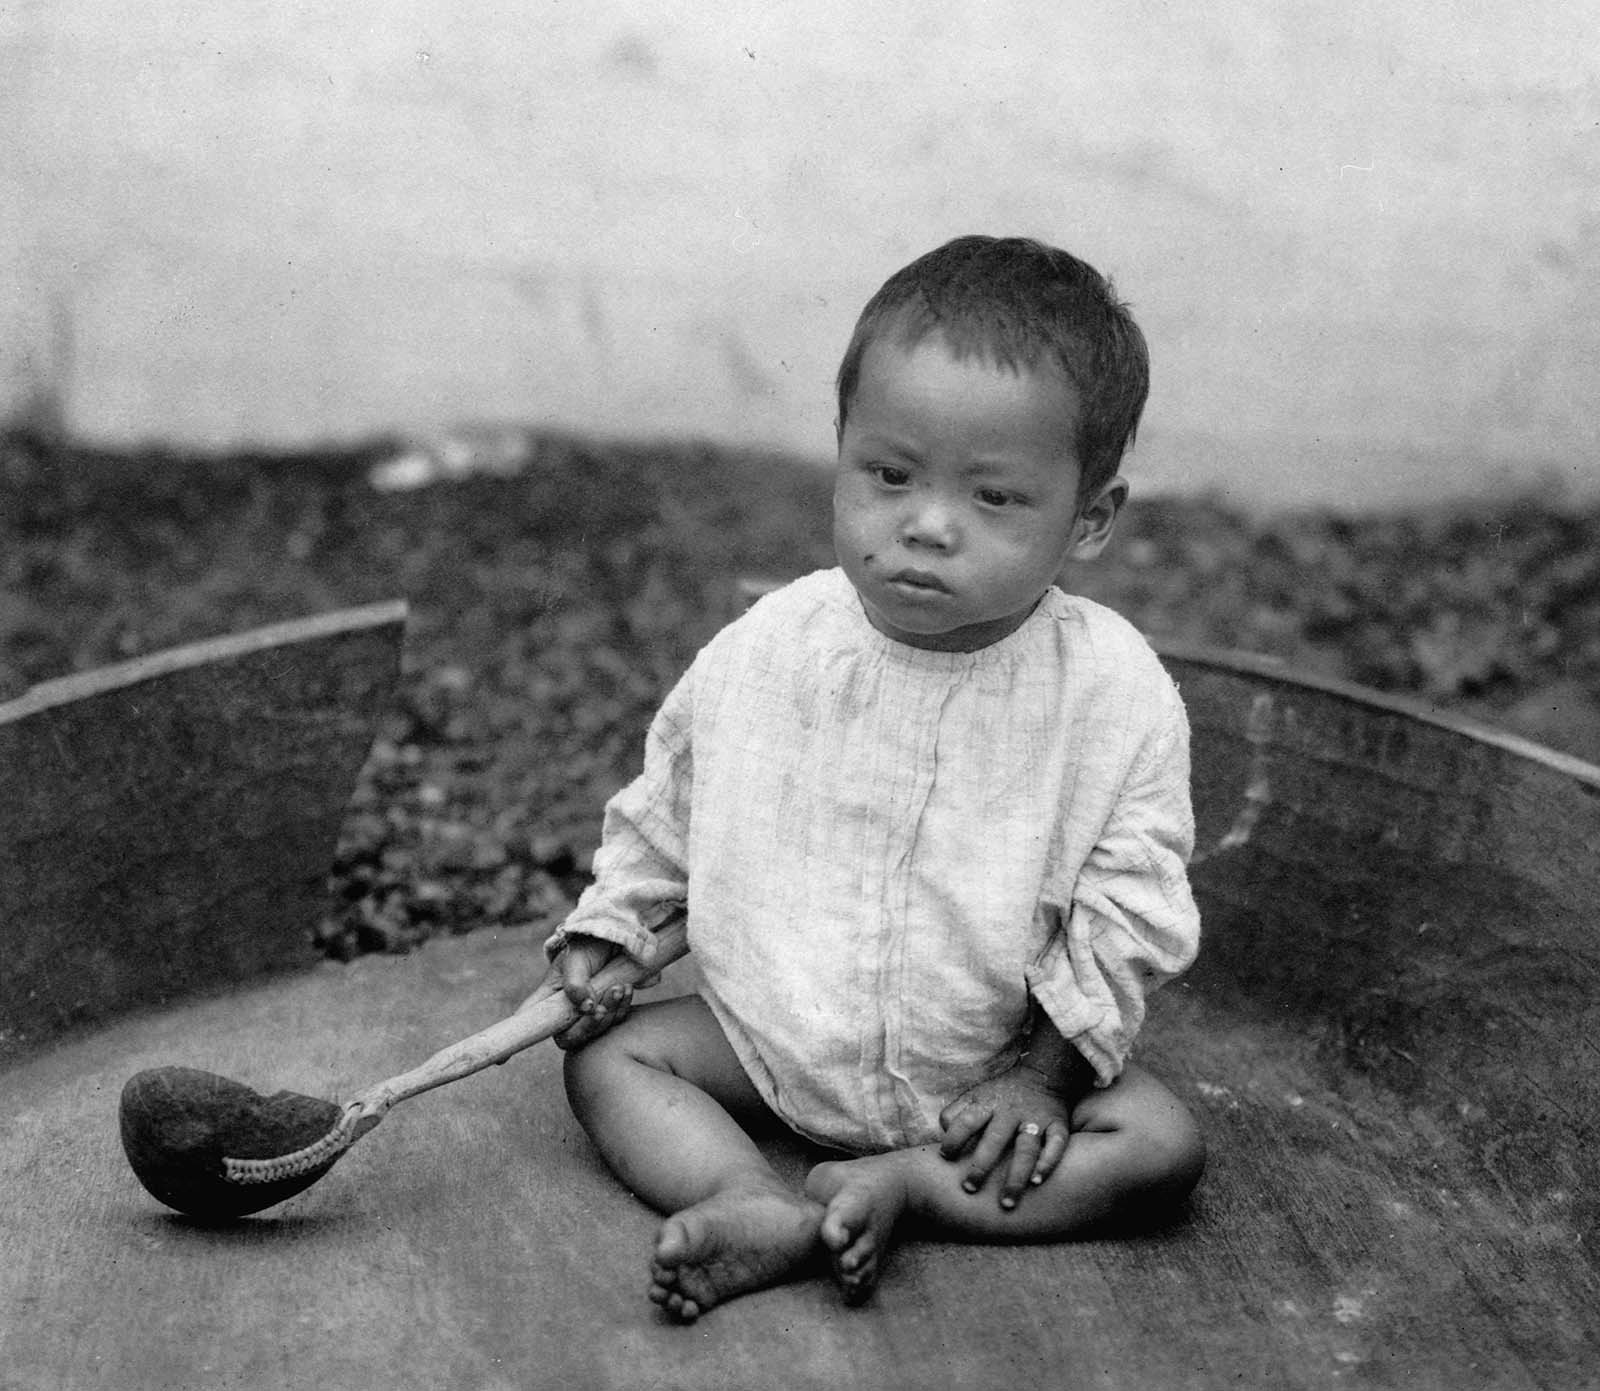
997 468
885 444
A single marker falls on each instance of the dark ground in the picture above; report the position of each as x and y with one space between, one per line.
554 602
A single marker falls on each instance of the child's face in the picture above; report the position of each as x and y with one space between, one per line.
956 501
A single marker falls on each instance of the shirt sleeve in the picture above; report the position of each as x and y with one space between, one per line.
640 869
1130 923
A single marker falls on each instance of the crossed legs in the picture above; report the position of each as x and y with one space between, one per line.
668 1105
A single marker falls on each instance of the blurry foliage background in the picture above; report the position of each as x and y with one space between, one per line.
558 586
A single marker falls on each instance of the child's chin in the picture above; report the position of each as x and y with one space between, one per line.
933 636
892 626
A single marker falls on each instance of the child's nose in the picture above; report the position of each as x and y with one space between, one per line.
930 522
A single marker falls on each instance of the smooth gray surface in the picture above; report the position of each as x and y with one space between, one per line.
473 1240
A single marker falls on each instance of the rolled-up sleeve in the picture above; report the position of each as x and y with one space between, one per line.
1128 923
640 869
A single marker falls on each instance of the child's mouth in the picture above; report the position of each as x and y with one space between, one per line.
918 582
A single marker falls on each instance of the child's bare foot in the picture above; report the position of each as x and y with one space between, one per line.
864 1199
732 1243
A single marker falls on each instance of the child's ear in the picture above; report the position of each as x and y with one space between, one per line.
1096 519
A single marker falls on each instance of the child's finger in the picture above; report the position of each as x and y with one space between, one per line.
1056 1136
991 1146
576 970
1025 1151
613 1004
580 960
608 1008
963 1124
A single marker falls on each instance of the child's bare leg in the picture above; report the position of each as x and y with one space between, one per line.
1134 1148
662 1095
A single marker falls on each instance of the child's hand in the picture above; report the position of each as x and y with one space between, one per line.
1019 1111
574 965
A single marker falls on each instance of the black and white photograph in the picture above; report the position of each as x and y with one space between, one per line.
799 696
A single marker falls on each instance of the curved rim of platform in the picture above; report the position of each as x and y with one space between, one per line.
62 690
1275 668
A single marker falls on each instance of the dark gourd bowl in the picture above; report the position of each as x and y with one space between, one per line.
179 1123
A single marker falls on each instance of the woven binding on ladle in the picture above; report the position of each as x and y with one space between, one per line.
296 1163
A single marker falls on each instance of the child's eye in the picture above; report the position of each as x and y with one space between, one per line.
995 497
889 475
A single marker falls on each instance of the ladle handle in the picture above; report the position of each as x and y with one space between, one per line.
543 1015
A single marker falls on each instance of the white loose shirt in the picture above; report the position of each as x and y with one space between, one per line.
888 856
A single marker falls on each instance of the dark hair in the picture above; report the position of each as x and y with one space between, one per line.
1017 301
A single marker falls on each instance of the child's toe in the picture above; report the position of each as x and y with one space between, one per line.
859 1290
842 1223
675 1304
856 1271
847 1222
672 1246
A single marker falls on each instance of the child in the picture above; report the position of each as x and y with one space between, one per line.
928 817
